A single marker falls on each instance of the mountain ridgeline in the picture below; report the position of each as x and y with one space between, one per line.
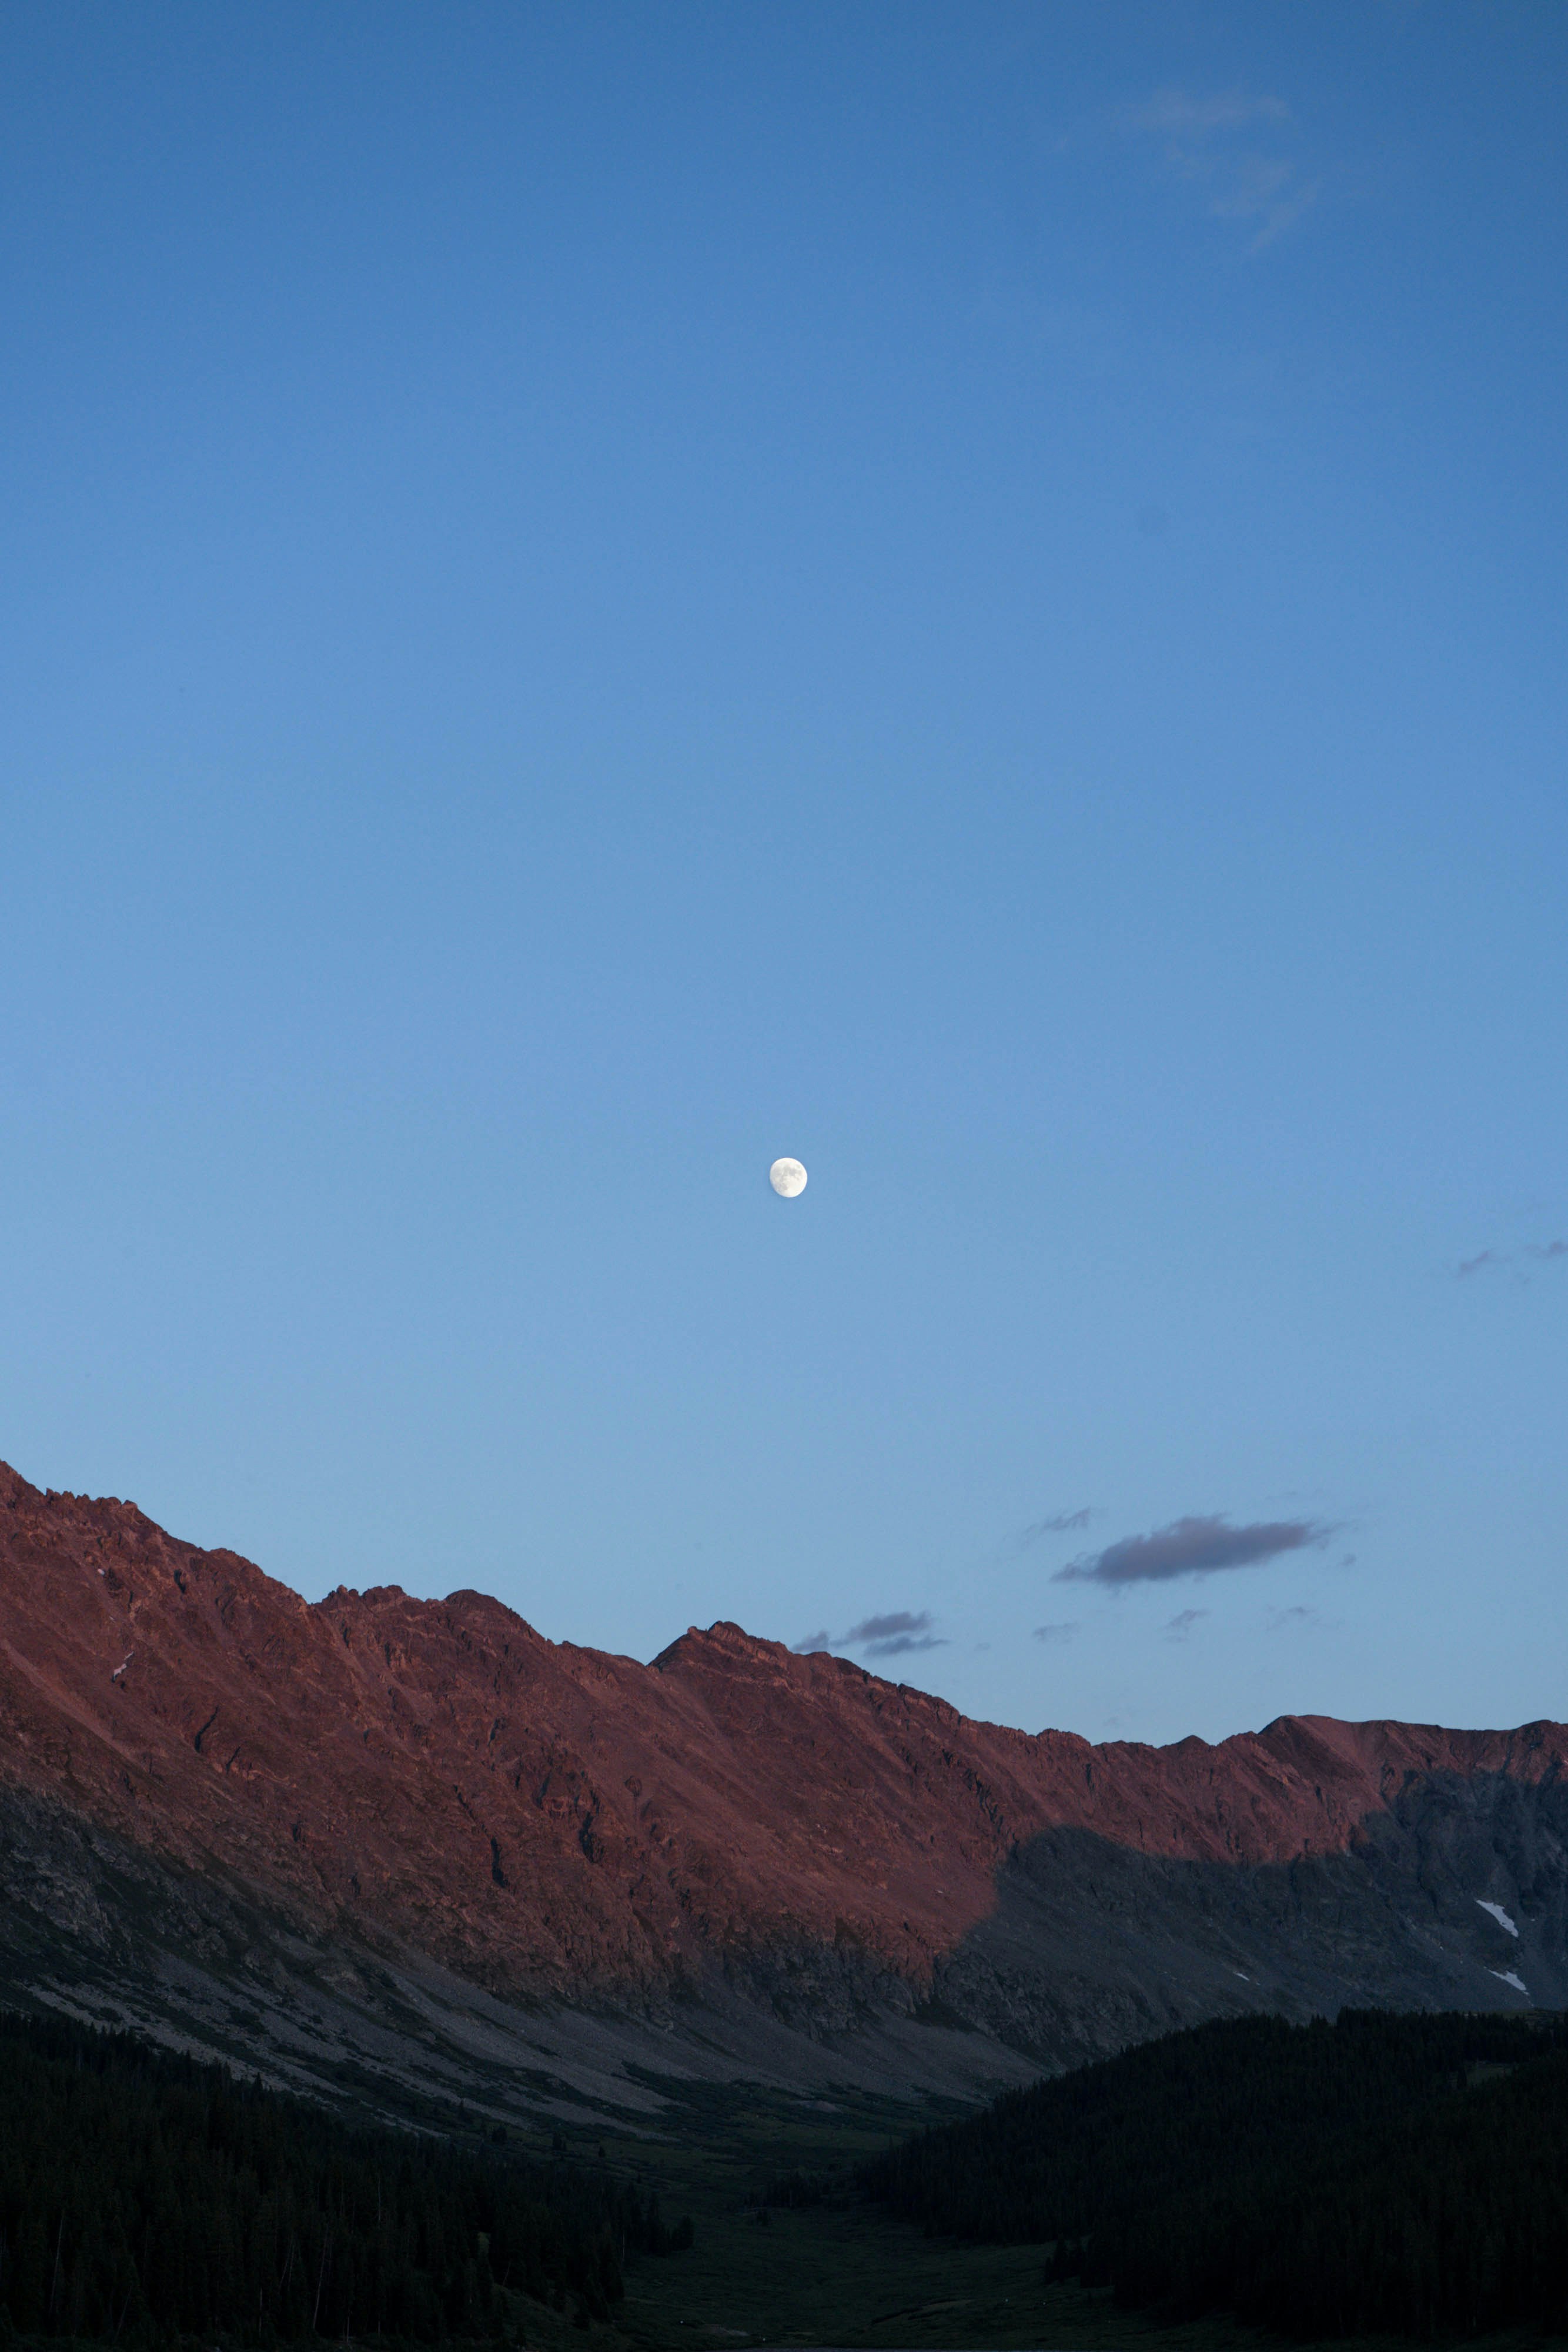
143 2196
1380 2174
372 1836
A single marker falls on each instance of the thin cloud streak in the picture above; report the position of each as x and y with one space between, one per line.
1179 115
1063 1524
1537 1253
1192 1547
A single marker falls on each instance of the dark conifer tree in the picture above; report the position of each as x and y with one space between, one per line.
143 2196
1381 2175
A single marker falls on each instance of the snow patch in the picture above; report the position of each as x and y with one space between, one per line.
1509 1978
1499 1915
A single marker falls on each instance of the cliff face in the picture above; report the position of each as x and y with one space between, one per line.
435 1778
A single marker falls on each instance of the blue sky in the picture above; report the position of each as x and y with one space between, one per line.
974 594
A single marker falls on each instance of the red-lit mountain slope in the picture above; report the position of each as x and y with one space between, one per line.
434 1778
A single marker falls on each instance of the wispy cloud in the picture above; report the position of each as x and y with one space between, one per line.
1063 1524
1531 1254
1066 1631
1191 1547
1283 1621
1180 1627
894 1634
1180 115
1210 141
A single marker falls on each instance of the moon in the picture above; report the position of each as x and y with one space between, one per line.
787 1177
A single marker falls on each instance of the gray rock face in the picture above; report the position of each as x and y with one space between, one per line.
93 1928
1091 1947
1456 1896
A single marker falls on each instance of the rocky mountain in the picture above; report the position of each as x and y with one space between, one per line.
412 1849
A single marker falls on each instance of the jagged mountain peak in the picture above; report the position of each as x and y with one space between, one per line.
438 1777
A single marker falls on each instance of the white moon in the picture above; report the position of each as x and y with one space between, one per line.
787 1178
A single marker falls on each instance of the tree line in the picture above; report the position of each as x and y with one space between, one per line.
1381 2174
145 2195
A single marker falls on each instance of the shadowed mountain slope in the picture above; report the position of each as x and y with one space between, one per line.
801 1865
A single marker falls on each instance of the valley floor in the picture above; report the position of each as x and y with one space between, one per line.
853 2276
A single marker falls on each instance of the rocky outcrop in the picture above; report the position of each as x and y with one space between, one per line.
434 1782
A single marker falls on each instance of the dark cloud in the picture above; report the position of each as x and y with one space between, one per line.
809 1642
1281 1618
1181 1625
894 1635
1063 1633
896 1622
1191 1547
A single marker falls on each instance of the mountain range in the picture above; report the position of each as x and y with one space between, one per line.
410 1852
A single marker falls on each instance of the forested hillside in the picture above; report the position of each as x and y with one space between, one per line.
1405 2175
140 2193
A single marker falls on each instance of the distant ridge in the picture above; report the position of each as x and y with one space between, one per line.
813 1859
